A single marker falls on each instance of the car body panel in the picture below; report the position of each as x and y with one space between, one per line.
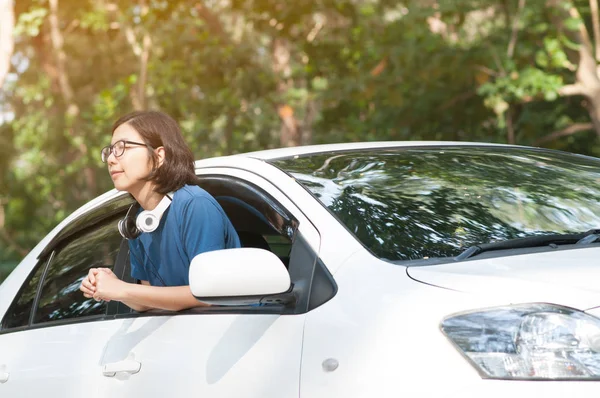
383 329
59 360
569 277
207 354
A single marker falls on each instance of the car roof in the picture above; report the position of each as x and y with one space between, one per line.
270 154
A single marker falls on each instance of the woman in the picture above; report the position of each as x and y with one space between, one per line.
149 159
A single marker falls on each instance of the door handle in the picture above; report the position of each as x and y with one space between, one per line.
127 366
3 374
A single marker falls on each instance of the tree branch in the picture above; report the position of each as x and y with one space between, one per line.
486 70
510 129
585 36
572 90
317 28
7 25
596 24
130 36
506 11
515 29
572 129
146 45
587 81
142 52
61 60
586 70
586 63
312 110
456 99
213 22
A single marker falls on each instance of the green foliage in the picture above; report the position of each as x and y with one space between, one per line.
29 23
349 71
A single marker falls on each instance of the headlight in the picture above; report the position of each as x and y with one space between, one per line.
528 341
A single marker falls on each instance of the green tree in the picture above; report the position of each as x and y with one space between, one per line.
255 74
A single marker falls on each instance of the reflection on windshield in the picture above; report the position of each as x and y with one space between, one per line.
411 203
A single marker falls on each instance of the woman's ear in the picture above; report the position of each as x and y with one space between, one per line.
160 155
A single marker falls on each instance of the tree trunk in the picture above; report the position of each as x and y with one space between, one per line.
142 52
229 130
587 80
594 110
68 94
309 120
510 128
7 24
61 61
289 133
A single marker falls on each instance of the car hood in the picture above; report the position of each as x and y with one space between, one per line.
567 277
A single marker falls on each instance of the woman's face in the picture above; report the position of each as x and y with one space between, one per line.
129 169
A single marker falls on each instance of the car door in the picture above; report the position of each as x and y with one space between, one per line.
52 338
250 351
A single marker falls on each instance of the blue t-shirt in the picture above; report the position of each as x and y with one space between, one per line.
194 223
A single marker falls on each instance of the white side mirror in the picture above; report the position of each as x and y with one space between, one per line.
237 276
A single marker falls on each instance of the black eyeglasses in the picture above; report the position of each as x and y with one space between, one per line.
118 148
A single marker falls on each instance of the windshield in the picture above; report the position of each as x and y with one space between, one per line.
415 203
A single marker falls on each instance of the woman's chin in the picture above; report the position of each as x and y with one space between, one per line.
120 187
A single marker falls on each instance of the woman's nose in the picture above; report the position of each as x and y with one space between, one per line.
111 159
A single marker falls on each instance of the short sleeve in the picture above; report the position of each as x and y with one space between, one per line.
203 227
135 258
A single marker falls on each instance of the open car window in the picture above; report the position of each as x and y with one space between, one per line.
262 222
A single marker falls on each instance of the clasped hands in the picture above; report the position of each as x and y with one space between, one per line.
102 284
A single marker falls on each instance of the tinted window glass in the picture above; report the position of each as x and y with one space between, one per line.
61 297
412 203
279 244
114 206
20 311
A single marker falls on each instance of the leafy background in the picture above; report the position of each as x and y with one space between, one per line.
242 75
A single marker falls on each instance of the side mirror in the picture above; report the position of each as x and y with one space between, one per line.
240 277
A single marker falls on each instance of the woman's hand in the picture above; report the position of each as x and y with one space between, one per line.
107 286
88 285
101 284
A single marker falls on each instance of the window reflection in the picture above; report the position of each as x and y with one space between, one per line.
20 311
412 203
61 297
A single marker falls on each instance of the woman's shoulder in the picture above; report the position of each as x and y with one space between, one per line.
189 193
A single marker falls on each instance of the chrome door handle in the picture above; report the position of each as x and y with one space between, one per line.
127 366
3 374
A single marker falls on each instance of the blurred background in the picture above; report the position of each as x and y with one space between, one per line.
243 75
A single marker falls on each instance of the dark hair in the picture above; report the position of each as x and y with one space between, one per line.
159 129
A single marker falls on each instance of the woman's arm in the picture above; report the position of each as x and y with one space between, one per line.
103 284
145 297
137 307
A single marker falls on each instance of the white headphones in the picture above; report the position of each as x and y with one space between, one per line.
146 221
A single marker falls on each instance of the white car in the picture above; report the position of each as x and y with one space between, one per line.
415 269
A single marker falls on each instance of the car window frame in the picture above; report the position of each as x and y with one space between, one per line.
307 300
41 265
117 207
96 217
